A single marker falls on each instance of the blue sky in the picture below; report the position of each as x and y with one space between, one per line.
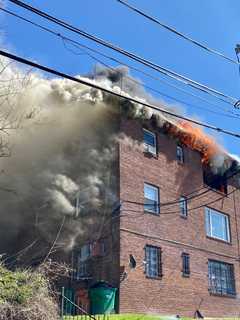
214 23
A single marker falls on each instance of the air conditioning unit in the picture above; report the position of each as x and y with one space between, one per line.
149 150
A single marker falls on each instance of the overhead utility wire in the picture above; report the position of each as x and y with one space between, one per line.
226 113
95 86
78 44
148 63
144 14
189 196
177 202
190 209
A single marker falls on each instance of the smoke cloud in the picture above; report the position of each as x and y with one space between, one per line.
63 146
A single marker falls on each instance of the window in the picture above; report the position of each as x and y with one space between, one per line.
180 154
80 266
153 267
221 278
185 264
183 206
149 139
217 182
217 225
85 252
98 248
81 270
151 198
78 206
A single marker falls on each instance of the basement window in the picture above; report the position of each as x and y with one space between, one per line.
215 181
185 264
221 278
151 198
180 154
183 206
153 259
217 225
150 142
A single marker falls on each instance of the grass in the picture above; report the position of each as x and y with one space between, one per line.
134 317
124 317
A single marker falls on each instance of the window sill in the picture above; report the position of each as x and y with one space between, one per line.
224 295
219 240
157 214
150 155
185 275
180 163
183 217
154 278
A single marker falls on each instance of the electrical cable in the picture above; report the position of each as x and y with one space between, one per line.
144 14
224 114
80 46
221 96
186 196
95 86
191 209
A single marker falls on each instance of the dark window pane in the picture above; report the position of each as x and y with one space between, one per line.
221 278
180 154
149 140
183 206
185 264
153 262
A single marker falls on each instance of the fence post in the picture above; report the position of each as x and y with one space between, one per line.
62 303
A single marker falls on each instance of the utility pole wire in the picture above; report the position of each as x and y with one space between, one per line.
121 96
80 46
197 43
230 100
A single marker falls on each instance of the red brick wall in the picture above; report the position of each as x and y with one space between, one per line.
173 294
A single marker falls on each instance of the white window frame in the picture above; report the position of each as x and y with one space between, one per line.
181 158
147 147
148 207
183 206
209 226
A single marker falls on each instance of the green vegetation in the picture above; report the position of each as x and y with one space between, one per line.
19 286
25 295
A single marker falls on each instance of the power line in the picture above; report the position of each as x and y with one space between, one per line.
95 86
197 43
191 209
78 44
189 196
110 92
217 94
224 114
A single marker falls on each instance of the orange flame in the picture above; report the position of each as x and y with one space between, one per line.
196 139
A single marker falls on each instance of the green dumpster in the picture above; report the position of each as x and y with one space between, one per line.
102 298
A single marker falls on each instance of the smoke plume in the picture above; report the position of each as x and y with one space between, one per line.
63 151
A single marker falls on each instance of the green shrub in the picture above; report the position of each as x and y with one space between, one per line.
26 295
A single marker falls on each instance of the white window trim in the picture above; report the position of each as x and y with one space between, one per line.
209 227
148 147
158 198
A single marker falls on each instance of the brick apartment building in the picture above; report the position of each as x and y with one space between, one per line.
176 257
